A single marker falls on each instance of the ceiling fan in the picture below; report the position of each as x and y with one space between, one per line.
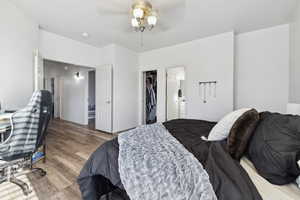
142 15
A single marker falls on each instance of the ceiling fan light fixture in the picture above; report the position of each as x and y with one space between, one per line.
143 16
142 28
138 13
134 22
152 20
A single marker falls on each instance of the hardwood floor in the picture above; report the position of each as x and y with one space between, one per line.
68 147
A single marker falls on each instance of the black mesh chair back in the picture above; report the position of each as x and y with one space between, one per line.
45 116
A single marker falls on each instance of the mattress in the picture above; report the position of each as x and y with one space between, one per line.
267 190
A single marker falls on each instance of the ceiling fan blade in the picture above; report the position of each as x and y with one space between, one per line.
119 3
122 24
107 11
162 27
168 5
111 12
128 29
170 13
114 7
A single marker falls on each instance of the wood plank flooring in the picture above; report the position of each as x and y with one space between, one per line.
68 147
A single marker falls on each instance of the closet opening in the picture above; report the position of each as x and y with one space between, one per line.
150 97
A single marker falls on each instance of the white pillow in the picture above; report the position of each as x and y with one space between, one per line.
221 130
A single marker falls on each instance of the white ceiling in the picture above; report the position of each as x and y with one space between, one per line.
199 18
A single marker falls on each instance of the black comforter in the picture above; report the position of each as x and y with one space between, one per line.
100 179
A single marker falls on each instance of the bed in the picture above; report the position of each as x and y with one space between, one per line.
100 178
267 190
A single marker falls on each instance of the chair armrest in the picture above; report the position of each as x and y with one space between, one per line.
5 116
10 111
5 121
5 125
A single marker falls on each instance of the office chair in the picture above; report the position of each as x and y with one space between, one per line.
27 135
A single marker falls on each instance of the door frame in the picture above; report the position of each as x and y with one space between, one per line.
38 70
61 81
143 94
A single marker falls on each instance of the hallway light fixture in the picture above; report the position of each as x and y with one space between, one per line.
78 76
85 35
179 93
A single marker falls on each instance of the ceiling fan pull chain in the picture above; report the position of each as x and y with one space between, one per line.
142 40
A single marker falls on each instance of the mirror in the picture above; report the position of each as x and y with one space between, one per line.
175 100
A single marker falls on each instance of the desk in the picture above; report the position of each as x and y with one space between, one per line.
4 124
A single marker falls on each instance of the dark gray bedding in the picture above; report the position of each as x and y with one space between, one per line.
278 137
100 178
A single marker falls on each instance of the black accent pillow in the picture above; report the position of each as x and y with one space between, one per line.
275 147
241 133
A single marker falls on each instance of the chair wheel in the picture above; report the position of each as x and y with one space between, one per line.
27 191
43 173
39 171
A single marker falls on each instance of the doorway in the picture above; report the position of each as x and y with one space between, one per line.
91 99
68 84
175 93
150 97
75 102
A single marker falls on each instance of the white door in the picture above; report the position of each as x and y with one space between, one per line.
104 98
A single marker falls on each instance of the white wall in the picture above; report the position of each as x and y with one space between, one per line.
205 59
18 40
62 49
125 86
125 67
295 57
262 69
74 97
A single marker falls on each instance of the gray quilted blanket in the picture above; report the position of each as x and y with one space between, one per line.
154 165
